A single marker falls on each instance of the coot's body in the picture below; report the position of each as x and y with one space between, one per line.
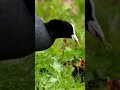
42 38
16 29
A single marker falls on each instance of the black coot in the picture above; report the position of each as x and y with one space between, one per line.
91 23
46 33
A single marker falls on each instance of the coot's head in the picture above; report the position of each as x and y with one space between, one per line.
61 29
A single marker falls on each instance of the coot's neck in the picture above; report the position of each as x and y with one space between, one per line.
43 40
51 32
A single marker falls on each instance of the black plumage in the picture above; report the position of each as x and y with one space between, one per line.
16 29
91 23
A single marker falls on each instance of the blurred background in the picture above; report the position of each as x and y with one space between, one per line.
50 72
102 63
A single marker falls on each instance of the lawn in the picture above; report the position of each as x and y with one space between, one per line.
50 73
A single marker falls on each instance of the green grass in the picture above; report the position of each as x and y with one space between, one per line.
17 74
57 76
